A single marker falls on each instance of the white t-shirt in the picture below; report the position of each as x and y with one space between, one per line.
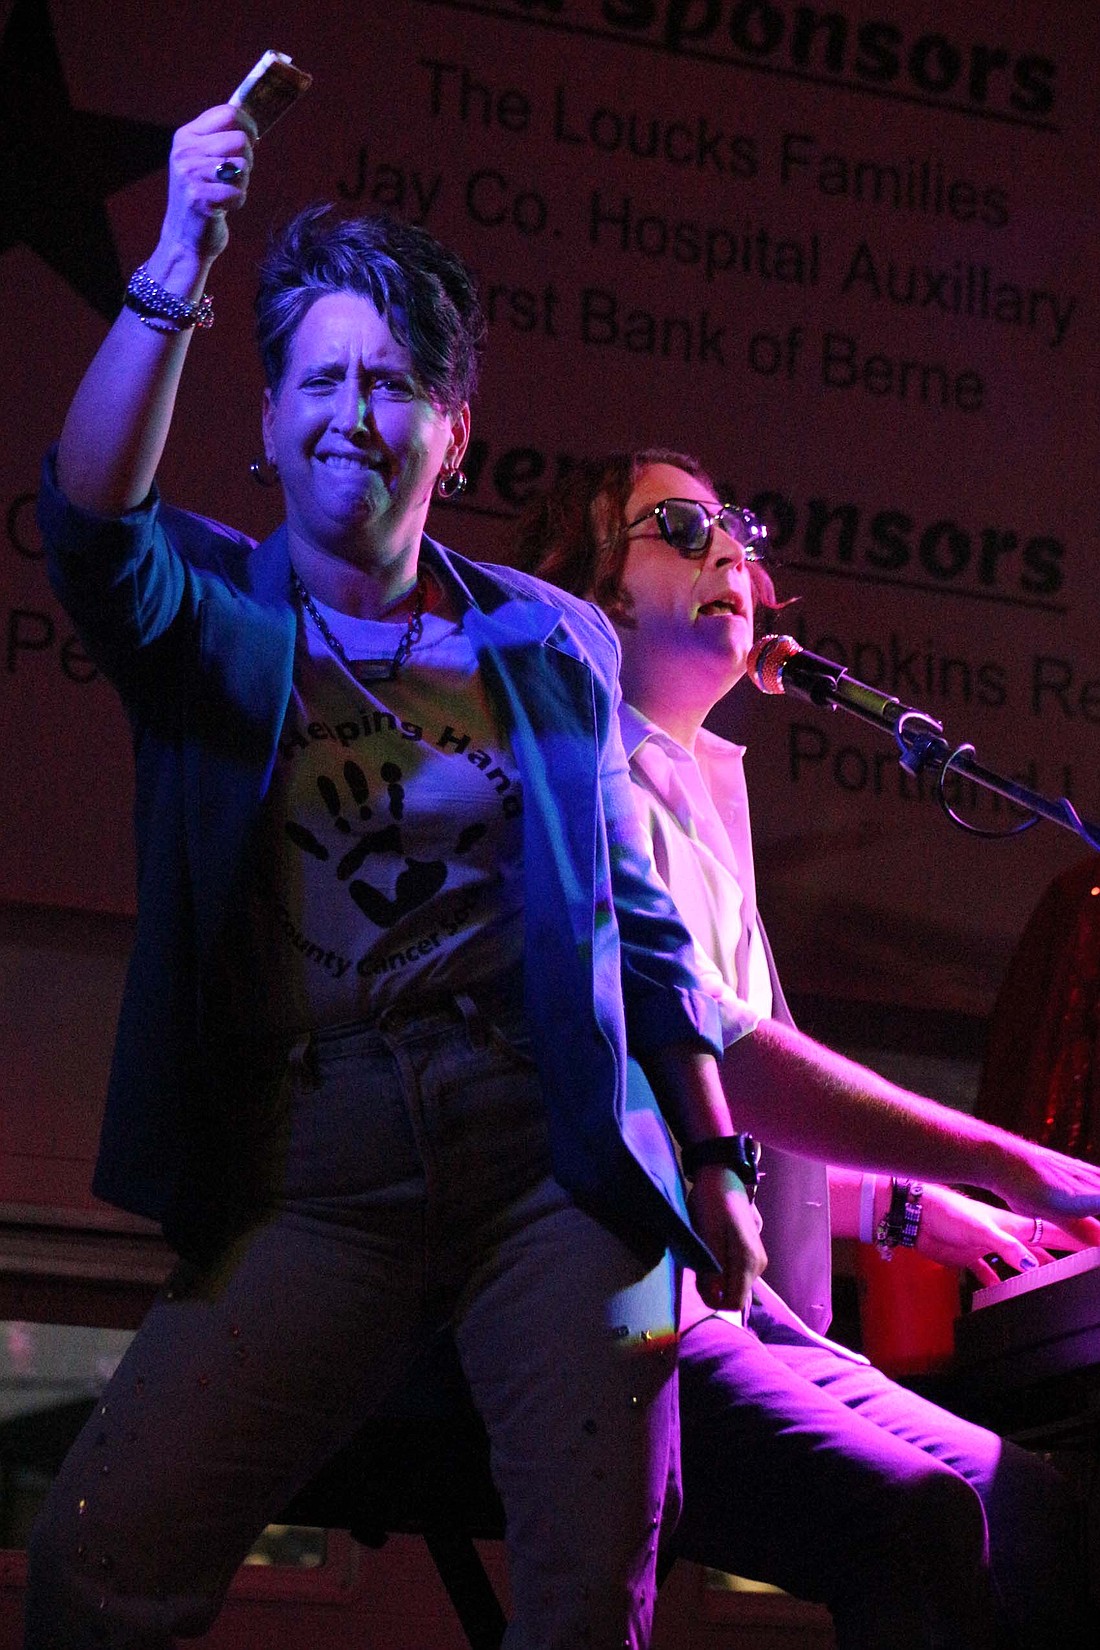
392 867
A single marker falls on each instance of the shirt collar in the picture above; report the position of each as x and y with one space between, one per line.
636 729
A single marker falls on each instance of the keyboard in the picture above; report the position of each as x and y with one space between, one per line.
1037 1324
1041 1277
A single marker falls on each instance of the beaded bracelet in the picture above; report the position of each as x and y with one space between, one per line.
163 310
901 1222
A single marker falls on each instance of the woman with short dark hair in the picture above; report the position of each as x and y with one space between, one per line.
395 927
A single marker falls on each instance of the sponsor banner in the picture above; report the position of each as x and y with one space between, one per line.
843 253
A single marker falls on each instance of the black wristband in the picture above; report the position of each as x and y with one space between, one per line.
739 1152
900 1225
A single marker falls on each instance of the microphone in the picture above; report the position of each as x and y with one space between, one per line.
778 664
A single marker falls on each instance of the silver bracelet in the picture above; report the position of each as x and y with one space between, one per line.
163 310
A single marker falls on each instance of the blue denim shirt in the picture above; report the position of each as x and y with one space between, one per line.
194 625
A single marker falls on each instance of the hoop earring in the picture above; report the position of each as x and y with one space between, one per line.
264 472
451 482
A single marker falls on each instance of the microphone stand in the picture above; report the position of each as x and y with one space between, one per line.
921 746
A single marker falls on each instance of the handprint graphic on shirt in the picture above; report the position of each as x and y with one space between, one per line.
420 879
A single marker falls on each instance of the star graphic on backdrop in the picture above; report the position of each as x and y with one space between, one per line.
59 165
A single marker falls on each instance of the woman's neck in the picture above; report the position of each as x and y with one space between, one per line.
363 588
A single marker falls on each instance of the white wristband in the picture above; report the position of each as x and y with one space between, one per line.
867 1187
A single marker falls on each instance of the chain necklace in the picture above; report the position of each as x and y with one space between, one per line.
369 670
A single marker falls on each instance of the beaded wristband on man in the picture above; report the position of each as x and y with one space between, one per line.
900 1225
162 310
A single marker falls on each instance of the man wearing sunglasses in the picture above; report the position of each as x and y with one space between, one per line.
803 1465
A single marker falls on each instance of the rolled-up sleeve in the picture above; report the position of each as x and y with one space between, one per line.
126 581
118 577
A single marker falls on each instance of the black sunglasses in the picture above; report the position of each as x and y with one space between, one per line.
688 526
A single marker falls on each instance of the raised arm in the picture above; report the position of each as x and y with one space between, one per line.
119 419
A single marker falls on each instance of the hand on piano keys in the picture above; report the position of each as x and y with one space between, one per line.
959 1231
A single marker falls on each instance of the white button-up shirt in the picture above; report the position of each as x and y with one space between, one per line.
695 810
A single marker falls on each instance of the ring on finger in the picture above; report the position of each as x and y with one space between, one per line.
1036 1230
228 171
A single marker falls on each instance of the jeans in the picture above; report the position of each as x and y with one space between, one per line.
401 1181
916 1528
